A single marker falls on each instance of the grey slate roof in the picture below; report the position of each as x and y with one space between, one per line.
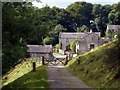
113 27
39 48
76 34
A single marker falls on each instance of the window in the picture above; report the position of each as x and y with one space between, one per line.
67 40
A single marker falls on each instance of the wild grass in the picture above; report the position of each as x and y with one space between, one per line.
93 69
22 77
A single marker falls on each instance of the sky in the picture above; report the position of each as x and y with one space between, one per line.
65 3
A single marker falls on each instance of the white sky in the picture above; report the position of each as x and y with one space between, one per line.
65 3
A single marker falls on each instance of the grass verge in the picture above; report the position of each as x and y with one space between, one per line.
92 68
27 79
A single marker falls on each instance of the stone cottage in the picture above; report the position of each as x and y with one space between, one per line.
37 51
87 41
113 28
90 41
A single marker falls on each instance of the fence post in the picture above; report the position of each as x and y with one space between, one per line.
34 66
66 61
43 61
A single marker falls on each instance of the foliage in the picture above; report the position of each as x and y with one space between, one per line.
82 13
16 32
54 34
73 45
108 33
48 41
114 15
57 47
84 28
100 14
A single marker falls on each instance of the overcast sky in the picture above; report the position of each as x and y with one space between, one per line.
65 3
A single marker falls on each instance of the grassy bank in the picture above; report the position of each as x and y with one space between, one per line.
92 68
22 77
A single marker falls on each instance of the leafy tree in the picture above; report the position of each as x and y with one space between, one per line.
81 12
48 41
54 35
114 15
84 28
100 14
66 20
17 29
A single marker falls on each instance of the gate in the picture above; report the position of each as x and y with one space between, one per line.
54 61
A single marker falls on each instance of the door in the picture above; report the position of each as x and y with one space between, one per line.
68 48
92 46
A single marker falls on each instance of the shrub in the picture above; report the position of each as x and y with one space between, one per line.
57 48
108 33
73 45
48 41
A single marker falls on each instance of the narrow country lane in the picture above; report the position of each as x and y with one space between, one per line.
59 77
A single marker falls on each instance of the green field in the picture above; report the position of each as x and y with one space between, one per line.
22 77
91 67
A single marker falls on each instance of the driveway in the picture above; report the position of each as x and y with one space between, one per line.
59 77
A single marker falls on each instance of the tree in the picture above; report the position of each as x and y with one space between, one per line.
114 15
48 41
54 35
66 20
100 14
84 28
17 29
81 12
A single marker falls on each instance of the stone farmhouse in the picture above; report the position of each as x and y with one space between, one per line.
113 28
37 51
87 41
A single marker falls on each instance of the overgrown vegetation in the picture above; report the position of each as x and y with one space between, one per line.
73 45
22 77
57 47
99 68
109 33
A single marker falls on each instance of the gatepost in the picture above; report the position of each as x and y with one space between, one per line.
43 60
66 62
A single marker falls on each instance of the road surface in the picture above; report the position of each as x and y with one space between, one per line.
59 77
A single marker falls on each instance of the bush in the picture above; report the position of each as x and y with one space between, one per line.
73 45
57 48
108 33
48 41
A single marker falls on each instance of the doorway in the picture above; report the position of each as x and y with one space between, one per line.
68 48
92 46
